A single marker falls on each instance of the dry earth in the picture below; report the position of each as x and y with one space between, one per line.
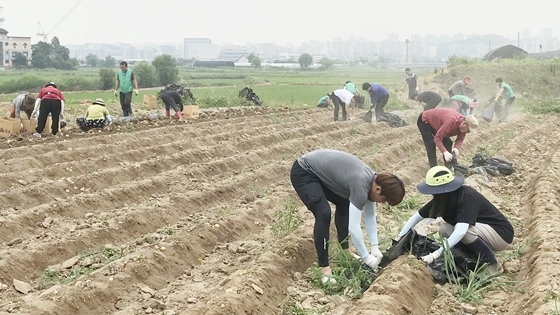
166 218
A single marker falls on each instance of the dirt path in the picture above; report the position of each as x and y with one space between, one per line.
175 219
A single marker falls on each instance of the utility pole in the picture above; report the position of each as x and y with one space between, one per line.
518 44
407 42
489 45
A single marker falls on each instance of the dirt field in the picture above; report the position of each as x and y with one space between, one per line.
168 218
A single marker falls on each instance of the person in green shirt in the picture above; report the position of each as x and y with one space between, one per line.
125 82
507 94
351 87
324 102
463 103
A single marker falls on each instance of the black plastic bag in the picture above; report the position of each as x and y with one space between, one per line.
368 117
419 245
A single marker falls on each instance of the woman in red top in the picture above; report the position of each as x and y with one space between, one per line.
49 101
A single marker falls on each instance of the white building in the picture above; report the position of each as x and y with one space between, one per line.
200 48
11 45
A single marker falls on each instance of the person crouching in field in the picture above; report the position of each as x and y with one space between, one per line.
318 178
324 101
97 116
437 125
428 99
172 99
344 99
49 101
463 104
469 218
25 102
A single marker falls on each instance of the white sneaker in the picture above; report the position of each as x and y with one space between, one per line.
38 135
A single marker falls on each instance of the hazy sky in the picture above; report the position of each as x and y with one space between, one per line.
296 21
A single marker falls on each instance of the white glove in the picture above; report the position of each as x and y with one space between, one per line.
328 280
431 257
371 261
447 156
417 89
456 151
376 253
136 91
116 92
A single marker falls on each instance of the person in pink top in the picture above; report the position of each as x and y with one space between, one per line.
437 126
49 101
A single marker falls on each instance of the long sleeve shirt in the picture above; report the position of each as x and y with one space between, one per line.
445 122
377 92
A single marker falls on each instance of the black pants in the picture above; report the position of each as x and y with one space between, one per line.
379 108
52 107
428 133
505 112
451 94
126 99
433 103
411 92
338 103
316 198
170 103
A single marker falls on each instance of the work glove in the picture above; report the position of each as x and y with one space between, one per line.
371 261
376 253
136 91
431 257
328 279
116 92
417 89
455 151
447 156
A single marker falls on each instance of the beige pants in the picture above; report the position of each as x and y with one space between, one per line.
484 231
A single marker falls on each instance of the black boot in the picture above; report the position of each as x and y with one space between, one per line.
486 254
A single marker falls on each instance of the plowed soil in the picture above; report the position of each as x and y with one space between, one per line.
170 218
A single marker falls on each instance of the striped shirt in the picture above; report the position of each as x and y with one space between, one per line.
458 88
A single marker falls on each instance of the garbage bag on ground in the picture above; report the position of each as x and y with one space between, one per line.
419 245
248 94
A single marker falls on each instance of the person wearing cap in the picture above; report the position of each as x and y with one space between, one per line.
49 101
469 217
124 86
97 116
318 178
172 99
412 82
437 126
25 102
428 99
505 92
459 87
344 99
378 95
463 103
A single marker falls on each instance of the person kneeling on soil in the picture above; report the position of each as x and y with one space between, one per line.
25 102
318 178
428 99
324 101
437 125
97 116
469 217
346 100
172 99
463 103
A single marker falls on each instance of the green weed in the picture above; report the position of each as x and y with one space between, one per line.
552 296
351 278
492 147
516 249
287 219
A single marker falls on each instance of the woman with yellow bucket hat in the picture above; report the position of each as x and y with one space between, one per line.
469 217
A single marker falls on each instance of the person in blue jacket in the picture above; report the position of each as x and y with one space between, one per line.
379 97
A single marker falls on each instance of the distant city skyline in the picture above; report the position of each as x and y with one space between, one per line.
291 21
